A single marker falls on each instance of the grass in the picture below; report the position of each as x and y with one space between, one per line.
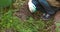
9 22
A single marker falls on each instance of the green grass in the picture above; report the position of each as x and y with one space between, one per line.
9 21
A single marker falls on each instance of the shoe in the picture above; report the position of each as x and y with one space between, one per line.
46 16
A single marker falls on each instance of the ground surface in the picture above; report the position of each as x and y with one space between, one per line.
11 23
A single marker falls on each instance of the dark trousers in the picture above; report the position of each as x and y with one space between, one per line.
46 6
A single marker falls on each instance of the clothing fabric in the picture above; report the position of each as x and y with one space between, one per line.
43 5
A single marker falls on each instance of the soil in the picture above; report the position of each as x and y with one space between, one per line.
23 13
57 17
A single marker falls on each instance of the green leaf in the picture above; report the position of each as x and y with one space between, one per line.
5 3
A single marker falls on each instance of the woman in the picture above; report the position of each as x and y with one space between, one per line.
41 5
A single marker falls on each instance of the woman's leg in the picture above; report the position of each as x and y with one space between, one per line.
46 6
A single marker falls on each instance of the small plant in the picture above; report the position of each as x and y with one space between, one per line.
5 3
